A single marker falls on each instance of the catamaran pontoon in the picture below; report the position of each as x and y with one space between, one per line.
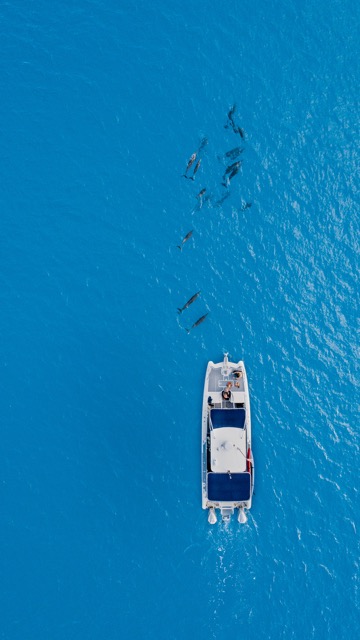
227 460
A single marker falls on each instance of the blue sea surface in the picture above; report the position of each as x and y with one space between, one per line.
102 104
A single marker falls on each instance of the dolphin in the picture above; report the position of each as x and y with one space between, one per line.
189 302
230 176
233 173
233 153
233 166
235 129
188 235
197 166
201 193
247 205
232 111
190 162
230 117
196 324
203 144
240 131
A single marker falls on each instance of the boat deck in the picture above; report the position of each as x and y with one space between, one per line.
218 382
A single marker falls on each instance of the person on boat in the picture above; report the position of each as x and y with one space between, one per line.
237 374
226 394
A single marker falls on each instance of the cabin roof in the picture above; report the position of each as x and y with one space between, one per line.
228 450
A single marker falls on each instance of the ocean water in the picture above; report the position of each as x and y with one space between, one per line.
103 102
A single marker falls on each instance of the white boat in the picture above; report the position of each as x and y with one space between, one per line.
227 461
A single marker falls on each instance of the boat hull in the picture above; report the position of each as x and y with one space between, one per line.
227 460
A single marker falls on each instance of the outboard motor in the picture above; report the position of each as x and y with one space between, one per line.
242 517
212 519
